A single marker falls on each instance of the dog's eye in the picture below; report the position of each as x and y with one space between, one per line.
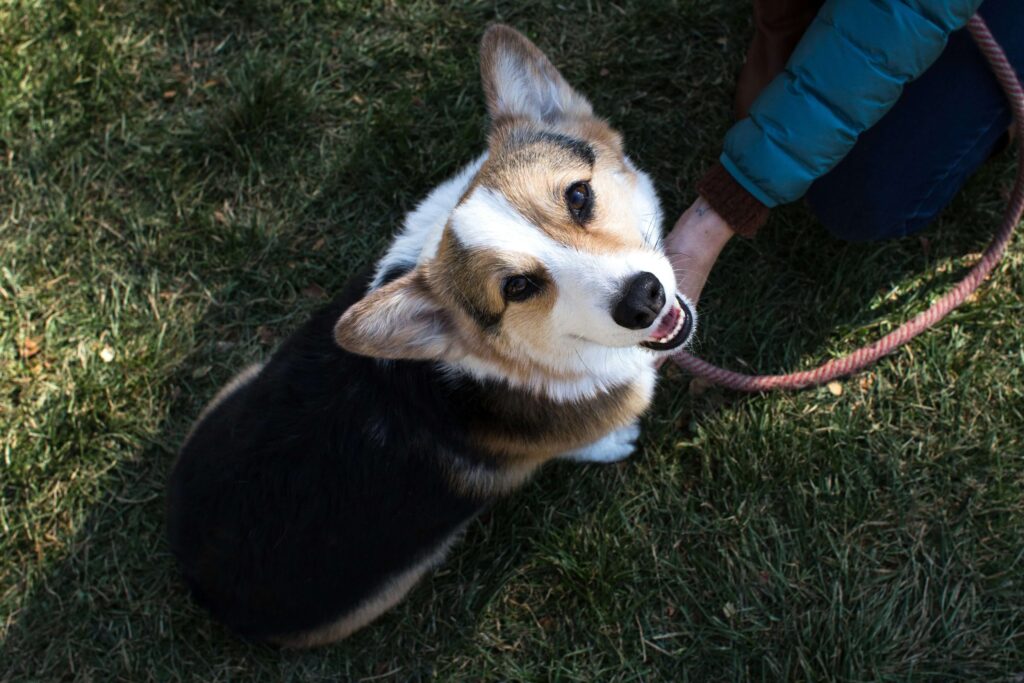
579 199
519 288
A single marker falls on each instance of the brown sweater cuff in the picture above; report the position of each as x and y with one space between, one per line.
744 213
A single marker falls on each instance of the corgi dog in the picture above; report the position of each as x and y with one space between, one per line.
515 319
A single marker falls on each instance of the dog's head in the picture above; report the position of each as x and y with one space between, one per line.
551 259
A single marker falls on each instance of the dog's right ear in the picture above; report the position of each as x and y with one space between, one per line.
519 80
401 320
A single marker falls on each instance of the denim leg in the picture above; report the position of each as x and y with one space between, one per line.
905 169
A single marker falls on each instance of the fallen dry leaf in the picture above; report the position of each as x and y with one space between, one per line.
29 347
313 291
698 385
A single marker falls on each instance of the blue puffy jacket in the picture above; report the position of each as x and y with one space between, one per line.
846 73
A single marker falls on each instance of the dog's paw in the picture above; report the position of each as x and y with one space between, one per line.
614 447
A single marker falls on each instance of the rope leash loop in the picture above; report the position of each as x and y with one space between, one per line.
864 356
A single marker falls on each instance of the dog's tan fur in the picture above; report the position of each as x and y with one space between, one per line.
532 173
225 392
547 430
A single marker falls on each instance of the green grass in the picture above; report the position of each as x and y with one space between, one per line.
181 182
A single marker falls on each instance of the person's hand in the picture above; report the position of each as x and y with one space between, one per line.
693 246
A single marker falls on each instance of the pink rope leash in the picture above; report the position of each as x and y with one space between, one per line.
867 355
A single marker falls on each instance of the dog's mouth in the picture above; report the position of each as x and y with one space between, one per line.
673 329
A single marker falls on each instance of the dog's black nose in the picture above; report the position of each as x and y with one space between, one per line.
642 300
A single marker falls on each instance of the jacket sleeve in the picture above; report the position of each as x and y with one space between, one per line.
847 72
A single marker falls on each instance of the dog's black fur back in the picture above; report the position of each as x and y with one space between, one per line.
323 450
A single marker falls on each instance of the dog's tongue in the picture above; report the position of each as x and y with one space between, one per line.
668 323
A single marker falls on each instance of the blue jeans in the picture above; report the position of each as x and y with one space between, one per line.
906 168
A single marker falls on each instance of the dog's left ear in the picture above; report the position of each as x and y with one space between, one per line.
401 320
519 80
